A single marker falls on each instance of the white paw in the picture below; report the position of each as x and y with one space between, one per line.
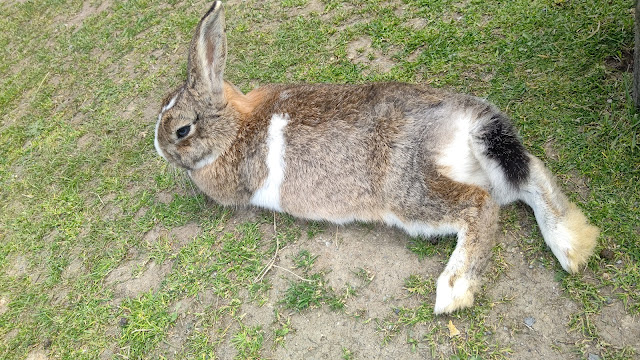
573 240
451 298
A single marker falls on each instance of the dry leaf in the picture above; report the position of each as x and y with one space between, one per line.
453 331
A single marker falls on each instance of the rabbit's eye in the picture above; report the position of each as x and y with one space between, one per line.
183 131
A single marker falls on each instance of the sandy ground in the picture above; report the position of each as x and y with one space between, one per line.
529 314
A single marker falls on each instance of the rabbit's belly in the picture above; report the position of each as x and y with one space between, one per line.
416 228
332 215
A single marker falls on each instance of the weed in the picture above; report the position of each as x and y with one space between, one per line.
315 228
306 294
347 354
147 319
282 330
248 342
304 260
417 285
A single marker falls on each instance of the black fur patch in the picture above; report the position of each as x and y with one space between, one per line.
213 7
503 146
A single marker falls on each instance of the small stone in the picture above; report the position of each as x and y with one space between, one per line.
608 301
619 262
593 357
606 254
529 321
123 322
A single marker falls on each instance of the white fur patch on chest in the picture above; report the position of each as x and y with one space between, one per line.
268 196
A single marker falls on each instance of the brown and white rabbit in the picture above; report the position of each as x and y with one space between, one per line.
410 156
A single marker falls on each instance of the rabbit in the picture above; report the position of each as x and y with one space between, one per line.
410 156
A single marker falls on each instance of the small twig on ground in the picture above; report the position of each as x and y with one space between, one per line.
292 273
271 262
99 198
269 265
40 85
593 33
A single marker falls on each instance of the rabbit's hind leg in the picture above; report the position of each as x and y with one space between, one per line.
476 215
564 227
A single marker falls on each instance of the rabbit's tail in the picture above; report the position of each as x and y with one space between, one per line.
514 174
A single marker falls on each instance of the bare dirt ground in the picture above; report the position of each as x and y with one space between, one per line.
529 313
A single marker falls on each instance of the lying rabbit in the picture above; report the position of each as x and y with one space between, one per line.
426 161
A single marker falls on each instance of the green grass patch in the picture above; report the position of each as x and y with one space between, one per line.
144 324
248 342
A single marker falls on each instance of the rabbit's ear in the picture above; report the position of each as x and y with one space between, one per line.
208 52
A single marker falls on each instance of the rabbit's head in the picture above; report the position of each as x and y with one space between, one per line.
195 124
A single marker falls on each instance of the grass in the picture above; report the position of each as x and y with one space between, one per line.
248 342
144 323
82 187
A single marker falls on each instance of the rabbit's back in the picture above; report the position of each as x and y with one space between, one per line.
347 152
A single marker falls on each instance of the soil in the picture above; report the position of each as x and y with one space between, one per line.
37 355
361 52
529 312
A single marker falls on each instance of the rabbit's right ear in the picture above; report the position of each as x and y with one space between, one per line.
208 53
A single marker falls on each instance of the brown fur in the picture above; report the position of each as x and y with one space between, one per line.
244 104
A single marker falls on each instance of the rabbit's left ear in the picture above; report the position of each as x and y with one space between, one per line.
208 53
